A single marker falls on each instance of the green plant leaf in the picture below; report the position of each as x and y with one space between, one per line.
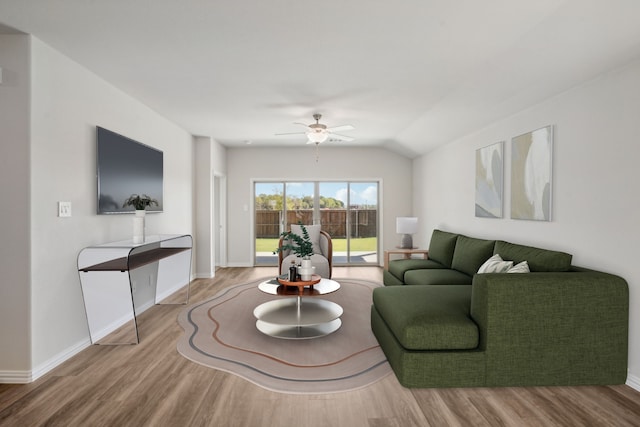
299 245
139 202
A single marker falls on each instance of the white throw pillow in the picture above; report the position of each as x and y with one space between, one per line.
314 235
495 264
522 267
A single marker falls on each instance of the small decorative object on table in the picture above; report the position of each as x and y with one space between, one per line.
406 226
306 269
293 271
140 204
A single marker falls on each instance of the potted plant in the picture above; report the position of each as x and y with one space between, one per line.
299 245
140 204
302 247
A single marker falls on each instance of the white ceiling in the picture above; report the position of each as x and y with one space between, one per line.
408 74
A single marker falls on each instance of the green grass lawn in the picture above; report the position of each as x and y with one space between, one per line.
368 244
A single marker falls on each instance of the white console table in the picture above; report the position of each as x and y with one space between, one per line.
109 274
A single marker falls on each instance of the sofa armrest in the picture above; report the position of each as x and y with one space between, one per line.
552 328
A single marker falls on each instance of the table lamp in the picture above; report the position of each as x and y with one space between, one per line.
406 226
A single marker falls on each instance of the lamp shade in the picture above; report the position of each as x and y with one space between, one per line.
406 225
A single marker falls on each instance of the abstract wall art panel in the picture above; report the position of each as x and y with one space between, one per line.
489 180
531 177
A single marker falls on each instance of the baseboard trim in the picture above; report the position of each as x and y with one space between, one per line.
98 335
205 275
15 377
239 264
25 377
161 297
633 381
60 358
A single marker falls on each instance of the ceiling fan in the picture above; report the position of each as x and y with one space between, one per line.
318 132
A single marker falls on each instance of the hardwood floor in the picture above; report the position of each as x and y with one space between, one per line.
150 384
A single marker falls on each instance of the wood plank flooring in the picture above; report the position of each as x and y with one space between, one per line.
150 384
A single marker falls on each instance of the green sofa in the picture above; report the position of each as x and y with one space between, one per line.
441 324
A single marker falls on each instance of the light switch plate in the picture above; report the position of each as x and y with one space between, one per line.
64 209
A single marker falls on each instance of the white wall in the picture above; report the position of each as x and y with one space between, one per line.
343 163
14 192
595 186
67 102
209 159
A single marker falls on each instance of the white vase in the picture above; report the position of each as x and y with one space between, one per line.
306 269
138 226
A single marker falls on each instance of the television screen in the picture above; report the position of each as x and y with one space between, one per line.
126 167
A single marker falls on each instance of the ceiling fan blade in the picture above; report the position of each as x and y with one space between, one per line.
340 137
340 128
302 124
291 133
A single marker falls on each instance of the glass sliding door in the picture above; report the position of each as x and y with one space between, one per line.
333 202
300 203
269 220
347 210
363 223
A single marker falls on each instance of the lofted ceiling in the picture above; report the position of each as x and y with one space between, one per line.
408 75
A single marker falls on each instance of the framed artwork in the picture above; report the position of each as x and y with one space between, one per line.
489 180
531 177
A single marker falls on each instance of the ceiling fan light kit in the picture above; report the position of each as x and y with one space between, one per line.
319 132
317 137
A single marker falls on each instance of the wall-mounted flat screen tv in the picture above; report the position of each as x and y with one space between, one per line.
126 167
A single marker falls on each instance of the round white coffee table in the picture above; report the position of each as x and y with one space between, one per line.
300 317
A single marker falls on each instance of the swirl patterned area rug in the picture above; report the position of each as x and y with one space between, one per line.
221 333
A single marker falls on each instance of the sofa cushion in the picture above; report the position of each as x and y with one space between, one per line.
428 317
400 266
390 280
539 260
441 247
442 276
470 253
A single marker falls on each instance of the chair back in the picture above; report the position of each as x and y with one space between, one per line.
326 247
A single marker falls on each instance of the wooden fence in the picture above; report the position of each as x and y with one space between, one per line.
363 222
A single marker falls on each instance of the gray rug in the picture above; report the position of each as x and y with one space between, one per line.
221 333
